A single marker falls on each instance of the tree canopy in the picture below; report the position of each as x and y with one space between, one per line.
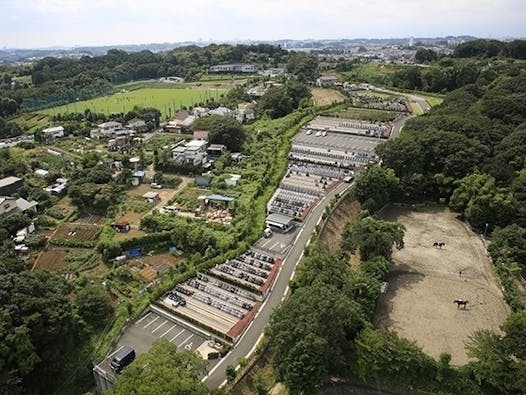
163 370
222 130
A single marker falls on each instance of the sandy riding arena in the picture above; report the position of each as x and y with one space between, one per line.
425 280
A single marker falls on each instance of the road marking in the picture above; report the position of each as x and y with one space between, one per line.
176 336
185 340
173 326
266 242
277 243
143 318
115 352
155 330
151 322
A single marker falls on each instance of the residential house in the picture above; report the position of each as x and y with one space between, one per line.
42 173
152 197
234 68
106 130
199 112
222 111
200 135
137 124
58 188
245 112
193 153
328 80
50 134
214 151
10 205
10 185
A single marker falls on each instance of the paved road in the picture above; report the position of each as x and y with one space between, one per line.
420 101
250 338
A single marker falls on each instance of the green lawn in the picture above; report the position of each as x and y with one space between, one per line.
168 101
368 114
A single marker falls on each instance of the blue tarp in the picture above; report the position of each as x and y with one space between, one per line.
134 253
172 249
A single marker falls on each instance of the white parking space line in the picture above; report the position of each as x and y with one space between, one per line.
143 318
185 340
155 330
266 242
173 326
176 336
277 243
151 322
115 352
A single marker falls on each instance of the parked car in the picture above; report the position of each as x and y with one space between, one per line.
122 358
156 186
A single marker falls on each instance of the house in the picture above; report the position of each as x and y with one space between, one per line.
10 185
199 112
152 197
41 173
233 180
193 153
10 205
222 111
50 134
58 188
200 135
137 124
138 177
328 80
214 151
105 130
234 68
121 226
245 112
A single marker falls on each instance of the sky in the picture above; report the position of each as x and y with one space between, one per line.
46 23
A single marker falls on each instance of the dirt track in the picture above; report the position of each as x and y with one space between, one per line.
424 281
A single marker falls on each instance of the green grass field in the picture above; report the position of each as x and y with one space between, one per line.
368 114
168 101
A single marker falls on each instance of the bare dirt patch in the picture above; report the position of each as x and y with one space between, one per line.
331 234
52 259
324 96
424 281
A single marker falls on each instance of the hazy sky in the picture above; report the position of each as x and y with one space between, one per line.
41 23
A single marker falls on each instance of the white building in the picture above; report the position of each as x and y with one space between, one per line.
328 80
55 132
234 68
10 205
193 153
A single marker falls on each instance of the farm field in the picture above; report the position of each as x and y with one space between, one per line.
77 232
324 96
52 259
368 114
424 281
168 101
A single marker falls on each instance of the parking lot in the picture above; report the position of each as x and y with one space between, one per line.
152 326
279 243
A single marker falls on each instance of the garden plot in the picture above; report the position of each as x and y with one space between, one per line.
77 232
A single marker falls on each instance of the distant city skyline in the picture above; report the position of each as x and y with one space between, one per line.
69 23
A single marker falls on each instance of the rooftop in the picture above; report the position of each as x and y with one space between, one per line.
8 181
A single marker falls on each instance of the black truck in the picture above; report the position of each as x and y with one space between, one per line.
122 358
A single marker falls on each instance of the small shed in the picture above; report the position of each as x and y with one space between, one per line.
152 197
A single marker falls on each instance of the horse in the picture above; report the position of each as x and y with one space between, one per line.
460 302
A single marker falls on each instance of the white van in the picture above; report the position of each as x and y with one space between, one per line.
267 233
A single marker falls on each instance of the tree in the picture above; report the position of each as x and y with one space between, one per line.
37 327
481 202
373 237
303 66
180 372
375 187
500 360
424 55
222 130
93 305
